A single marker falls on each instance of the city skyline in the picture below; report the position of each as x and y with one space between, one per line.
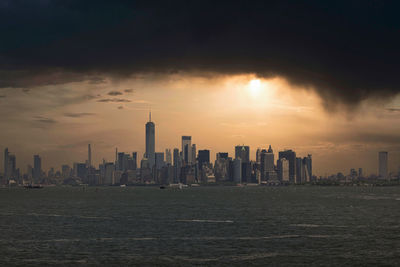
188 155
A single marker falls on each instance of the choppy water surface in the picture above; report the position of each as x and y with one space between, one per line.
295 225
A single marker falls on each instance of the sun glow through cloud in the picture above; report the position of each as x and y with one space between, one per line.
255 87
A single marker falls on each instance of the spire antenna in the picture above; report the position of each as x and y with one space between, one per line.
150 115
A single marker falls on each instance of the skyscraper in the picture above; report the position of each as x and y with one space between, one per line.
37 168
242 152
383 164
6 154
267 164
89 157
187 149
290 155
193 157
150 141
203 157
134 160
168 156
159 156
237 170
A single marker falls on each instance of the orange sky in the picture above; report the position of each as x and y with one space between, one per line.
219 112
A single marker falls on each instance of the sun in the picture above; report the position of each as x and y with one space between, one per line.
254 87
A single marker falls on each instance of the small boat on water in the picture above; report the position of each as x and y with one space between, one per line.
31 186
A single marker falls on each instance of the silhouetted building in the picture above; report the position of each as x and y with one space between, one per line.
150 141
283 170
243 152
237 170
222 155
203 157
37 168
267 165
187 149
383 164
291 157
159 160
168 156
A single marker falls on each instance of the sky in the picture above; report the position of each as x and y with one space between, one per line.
319 77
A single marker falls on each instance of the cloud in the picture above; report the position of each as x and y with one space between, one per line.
120 107
114 93
79 115
128 90
3 96
117 100
347 51
44 120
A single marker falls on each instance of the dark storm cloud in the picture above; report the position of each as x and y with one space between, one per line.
114 93
117 100
3 96
346 50
79 115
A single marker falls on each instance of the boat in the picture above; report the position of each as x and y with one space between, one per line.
31 186
162 187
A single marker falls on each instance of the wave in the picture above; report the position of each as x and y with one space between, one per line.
206 221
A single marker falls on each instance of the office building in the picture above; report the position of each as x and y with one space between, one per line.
203 157
37 168
242 152
383 164
237 170
291 157
159 160
150 141
168 156
267 164
283 170
187 149
221 155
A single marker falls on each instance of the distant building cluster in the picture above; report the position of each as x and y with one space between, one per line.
185 165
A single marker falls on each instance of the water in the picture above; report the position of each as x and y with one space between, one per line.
296 225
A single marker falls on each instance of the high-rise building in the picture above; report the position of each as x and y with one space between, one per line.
203 157
150 141
383 164
237 170
6 164
120 161
168 156
177 165
65 171
222 155
283 170
89 157
242 152
37 168
187 149
299 171
12 166
267 164
134 160
290 155
307 161
258 156
193 157
159 160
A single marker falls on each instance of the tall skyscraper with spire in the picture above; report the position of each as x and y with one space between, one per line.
150 141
